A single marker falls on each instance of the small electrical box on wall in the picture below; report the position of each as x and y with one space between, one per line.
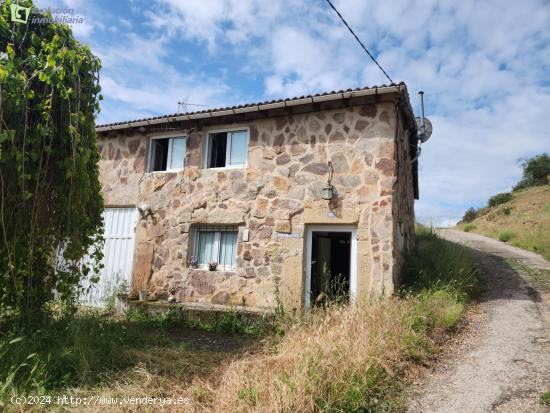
246 234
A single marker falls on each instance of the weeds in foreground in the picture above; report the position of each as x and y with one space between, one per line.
230 322
345 358
338 358
76 352
436 264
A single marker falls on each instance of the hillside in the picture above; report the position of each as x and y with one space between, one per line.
524 221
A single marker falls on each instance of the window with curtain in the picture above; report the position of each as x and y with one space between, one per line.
216 244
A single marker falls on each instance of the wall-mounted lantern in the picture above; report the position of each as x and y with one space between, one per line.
329 191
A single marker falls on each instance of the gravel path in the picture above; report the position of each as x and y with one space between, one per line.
502 361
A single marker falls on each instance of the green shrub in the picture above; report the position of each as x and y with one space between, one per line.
506 236
438 308
499 199
424 232
470 214
468 227
545 399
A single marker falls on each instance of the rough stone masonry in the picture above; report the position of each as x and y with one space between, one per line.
370 139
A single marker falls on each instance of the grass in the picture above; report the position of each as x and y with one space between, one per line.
540 278
526 217
346 359
92 352
506 235
545 399
468 227
230 322
335 359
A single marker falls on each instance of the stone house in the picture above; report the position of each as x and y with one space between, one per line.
253 205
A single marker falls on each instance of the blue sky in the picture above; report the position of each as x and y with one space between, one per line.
483 65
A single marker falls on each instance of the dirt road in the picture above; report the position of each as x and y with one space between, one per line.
502 361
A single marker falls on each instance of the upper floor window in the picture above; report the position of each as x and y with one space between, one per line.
226 149
167 154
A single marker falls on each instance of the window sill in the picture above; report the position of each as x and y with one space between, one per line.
221 168
168 171
217 270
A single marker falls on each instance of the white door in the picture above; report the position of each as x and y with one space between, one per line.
118 253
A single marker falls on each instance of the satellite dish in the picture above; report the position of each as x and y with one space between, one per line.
424 135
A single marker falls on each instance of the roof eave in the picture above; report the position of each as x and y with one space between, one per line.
262 107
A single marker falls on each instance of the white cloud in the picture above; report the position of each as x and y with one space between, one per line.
137 76
484 67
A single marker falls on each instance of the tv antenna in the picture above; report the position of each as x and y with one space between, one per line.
183 105
424 126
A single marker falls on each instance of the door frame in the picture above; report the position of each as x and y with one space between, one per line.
352 229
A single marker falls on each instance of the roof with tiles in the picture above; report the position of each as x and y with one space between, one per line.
266 105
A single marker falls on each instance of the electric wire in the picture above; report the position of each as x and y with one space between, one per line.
399 90
359 40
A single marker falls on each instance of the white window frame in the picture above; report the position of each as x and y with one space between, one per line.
150 160
228 147
217 230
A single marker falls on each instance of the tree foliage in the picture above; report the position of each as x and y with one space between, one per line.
536 171
499 199
49 186
470 214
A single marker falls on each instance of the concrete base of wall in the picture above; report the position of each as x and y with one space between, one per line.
191 312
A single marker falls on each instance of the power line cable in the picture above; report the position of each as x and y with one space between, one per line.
359 40
399 91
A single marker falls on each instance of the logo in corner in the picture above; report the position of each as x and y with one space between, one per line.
20 14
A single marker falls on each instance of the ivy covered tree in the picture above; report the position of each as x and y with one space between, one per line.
50 200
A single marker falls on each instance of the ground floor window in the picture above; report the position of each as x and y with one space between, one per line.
216 246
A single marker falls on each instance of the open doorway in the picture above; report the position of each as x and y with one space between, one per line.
330 272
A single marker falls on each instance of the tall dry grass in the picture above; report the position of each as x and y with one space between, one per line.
341 359
345 359
337 359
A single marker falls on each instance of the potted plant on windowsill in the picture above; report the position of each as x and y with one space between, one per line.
213 266
192 262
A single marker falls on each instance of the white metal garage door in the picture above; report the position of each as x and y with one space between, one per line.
118 253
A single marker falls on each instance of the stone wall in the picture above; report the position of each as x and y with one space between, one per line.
403 200
275 197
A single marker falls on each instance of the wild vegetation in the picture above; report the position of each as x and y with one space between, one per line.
536 171
523 222
468 227
338 358
50 196
520 217
343 358
499 199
